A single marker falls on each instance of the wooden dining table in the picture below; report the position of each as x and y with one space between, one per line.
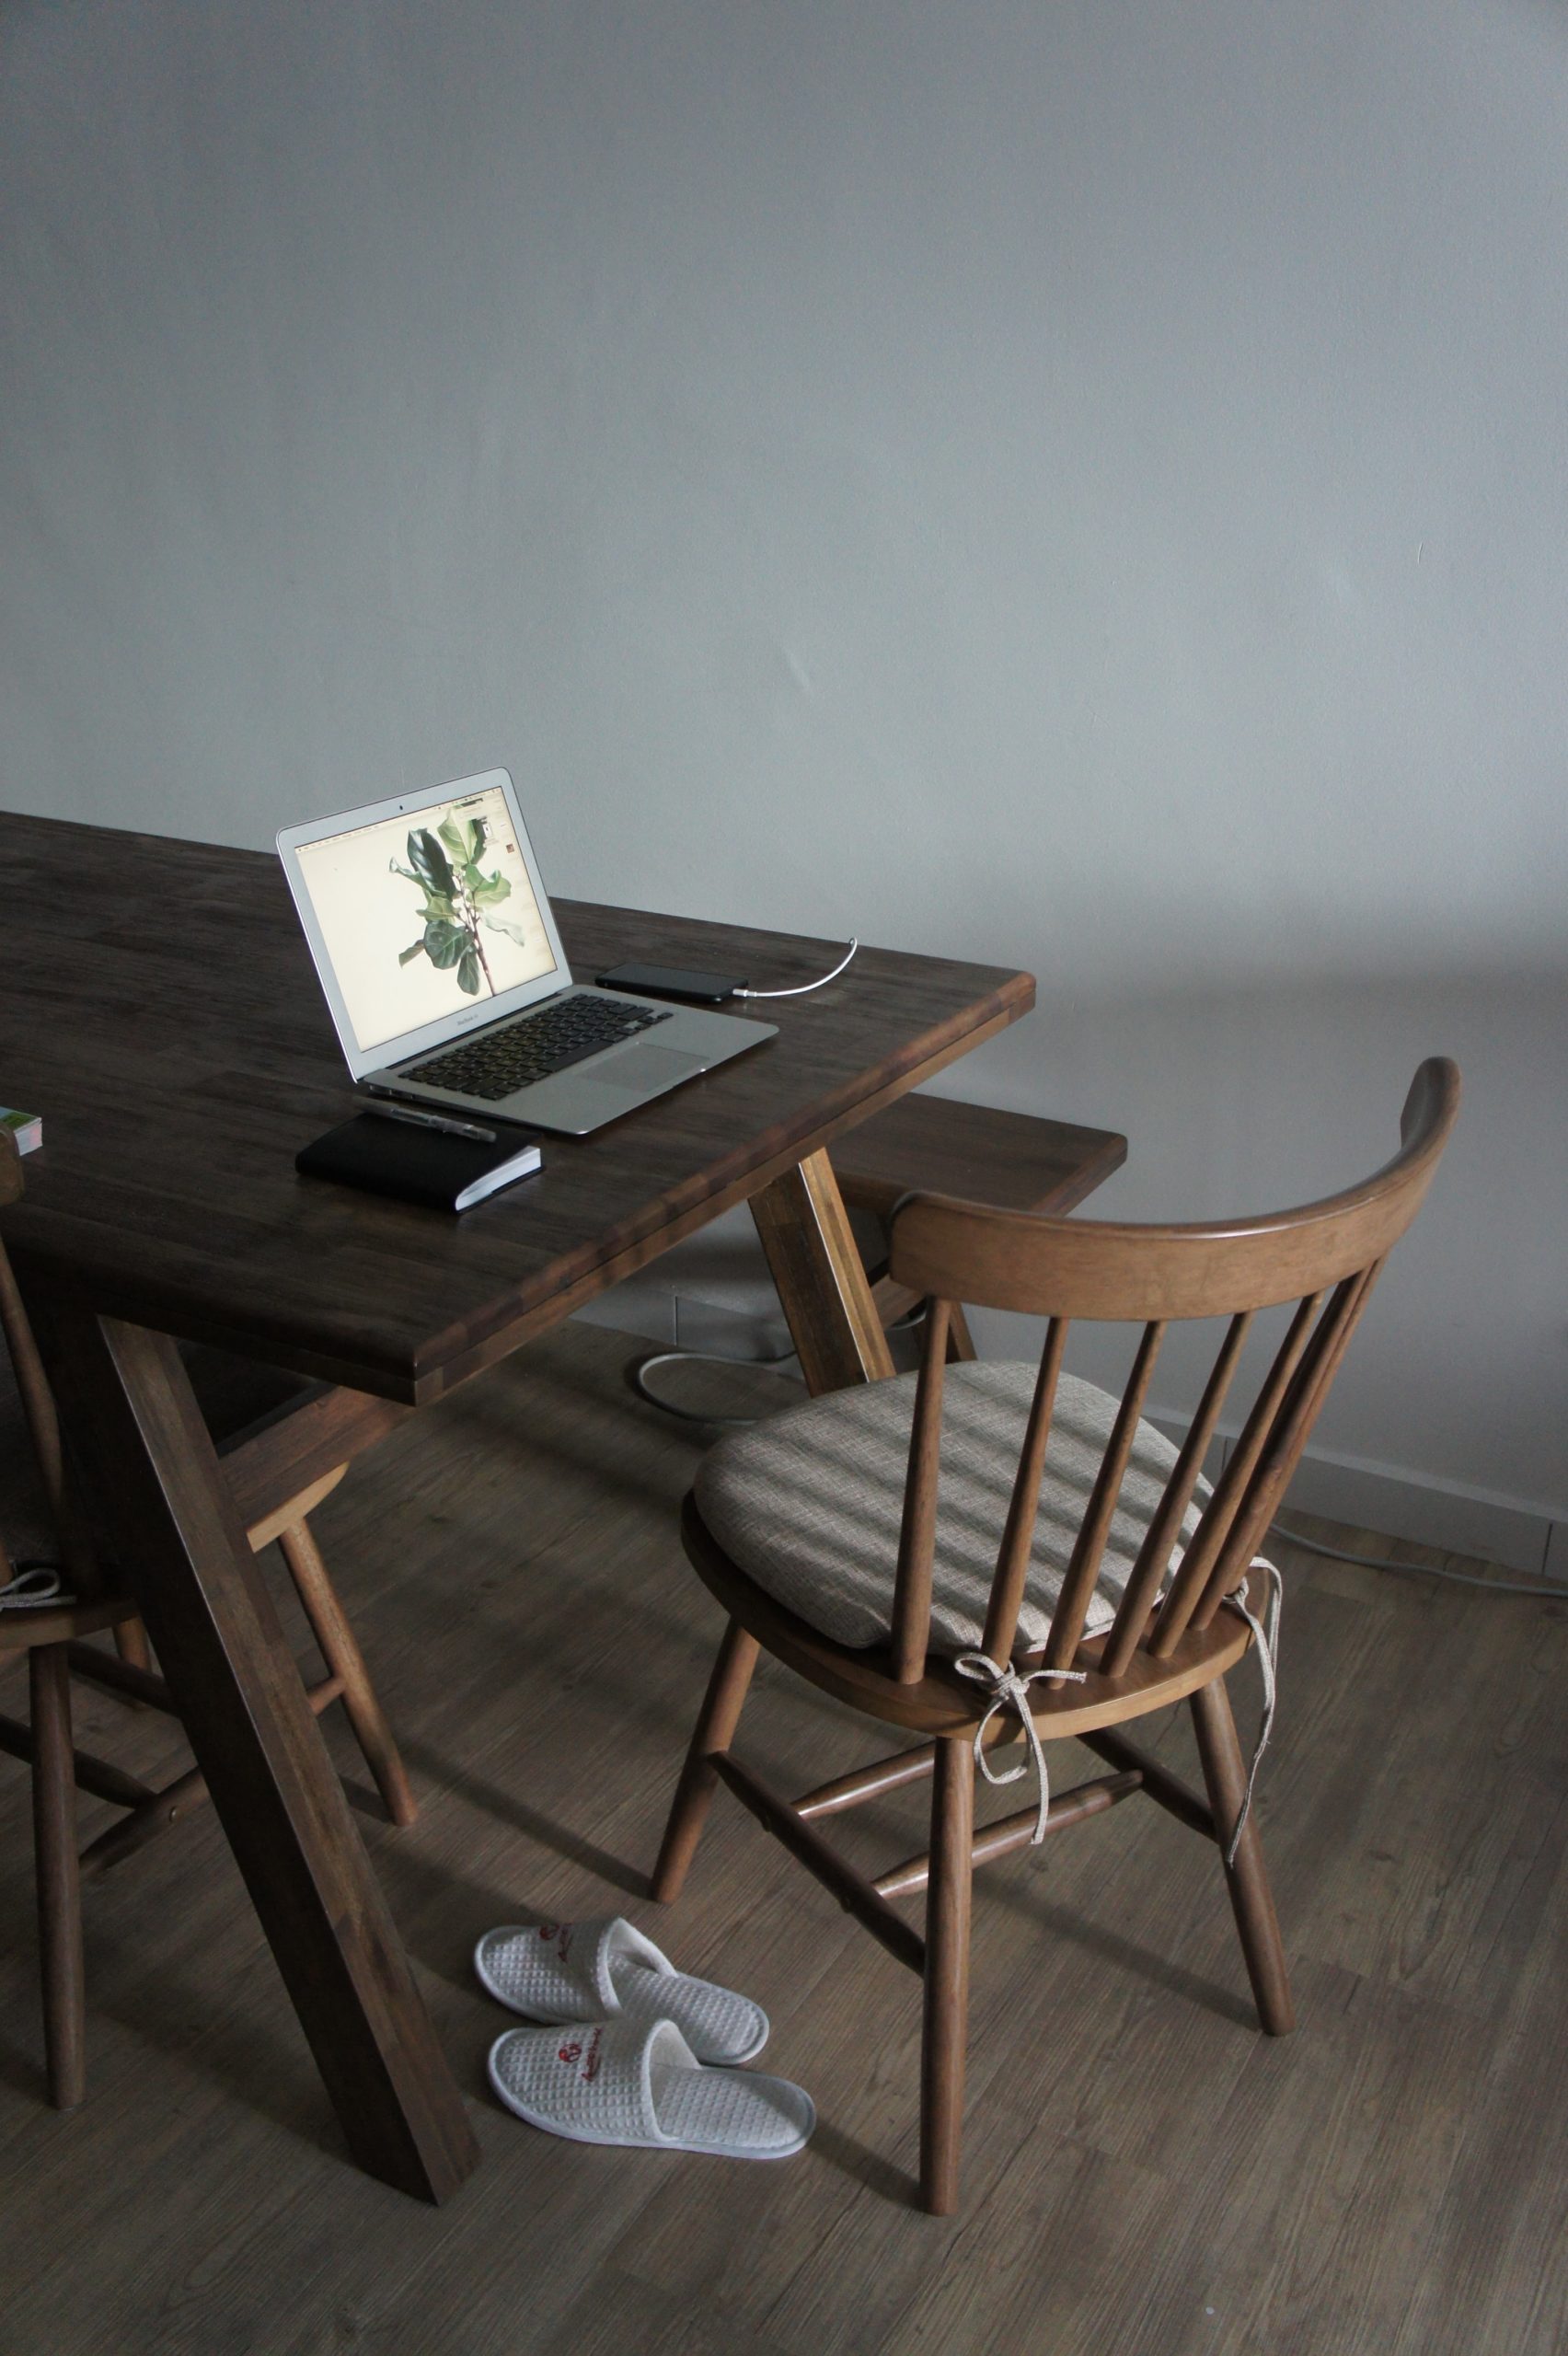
160 1010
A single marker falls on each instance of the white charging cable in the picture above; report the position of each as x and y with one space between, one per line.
806 988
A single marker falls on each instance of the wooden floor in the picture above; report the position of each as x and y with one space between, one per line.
1145 2173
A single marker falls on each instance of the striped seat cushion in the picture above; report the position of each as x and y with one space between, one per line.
809 1504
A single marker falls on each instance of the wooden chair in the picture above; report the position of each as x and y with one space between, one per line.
1104 1558
35 1502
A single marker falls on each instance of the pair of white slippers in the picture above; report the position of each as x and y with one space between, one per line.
640 2053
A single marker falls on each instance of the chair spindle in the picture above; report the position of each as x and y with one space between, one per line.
1011 1573
1083 1568
1286 1436
1154 1556
1190 1583
912 1591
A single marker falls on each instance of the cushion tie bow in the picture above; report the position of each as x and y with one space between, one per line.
1265 1634
1009 1690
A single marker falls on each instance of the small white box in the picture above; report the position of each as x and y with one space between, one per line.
25 1127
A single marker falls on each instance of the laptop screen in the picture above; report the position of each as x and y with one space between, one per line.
425 914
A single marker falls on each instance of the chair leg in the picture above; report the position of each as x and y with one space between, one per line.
345 1658
130 1644
1251 1900
59 1882
946 2021
720 1716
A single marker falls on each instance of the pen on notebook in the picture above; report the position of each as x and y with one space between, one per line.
448 1128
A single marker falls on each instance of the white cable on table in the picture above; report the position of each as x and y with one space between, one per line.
804 988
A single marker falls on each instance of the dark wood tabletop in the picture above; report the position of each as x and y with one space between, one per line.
161 1012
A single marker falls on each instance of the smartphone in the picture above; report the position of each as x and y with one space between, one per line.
671 981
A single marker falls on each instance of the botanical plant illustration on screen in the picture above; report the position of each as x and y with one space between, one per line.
459 901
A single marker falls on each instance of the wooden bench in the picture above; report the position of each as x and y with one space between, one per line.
1014 1162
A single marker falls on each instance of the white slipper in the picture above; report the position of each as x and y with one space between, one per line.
641 2084
590 1972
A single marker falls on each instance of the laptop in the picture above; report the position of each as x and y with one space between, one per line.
438 952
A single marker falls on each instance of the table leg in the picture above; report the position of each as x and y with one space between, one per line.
157 1485
827 1301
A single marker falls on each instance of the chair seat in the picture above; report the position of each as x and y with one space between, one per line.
809 1504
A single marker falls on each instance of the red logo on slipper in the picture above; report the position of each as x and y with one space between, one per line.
573 2053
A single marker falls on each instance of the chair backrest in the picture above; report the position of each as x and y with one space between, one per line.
1322 1259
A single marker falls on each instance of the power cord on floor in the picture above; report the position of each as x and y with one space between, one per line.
1537 1587
640 1367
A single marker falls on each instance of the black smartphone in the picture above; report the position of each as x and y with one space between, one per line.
671 981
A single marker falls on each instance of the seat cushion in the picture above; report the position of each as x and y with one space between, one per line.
809 1504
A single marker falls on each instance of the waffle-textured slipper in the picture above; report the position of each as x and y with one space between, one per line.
641 2084
590 1972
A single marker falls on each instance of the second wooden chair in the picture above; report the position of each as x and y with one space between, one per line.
984 1550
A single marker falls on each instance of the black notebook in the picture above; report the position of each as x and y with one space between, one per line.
417 1165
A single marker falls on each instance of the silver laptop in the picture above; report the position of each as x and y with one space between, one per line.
437 949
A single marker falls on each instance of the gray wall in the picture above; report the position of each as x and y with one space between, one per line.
1076 484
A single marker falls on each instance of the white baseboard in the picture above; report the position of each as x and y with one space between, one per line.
1426 1511
1429 1512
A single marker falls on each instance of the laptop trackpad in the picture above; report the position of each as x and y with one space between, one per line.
642 1068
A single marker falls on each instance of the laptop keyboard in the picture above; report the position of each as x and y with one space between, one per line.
514 1054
